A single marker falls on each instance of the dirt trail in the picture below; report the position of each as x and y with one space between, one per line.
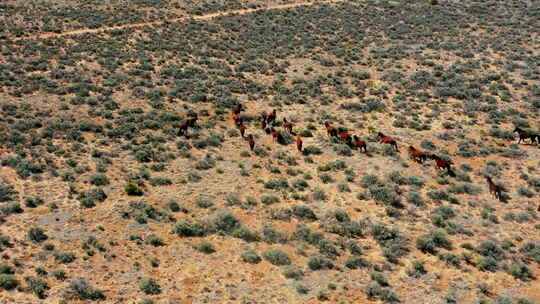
179 19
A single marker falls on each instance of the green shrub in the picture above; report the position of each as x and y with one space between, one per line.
250 256
64 257
99 180
187 229
59 274
269 199
133 189
276 257
293 272
37 235
487 264
417 269
8 281
38 286
379 278
206 247
520 271
83 291
356 262
149 286
160 181
317 262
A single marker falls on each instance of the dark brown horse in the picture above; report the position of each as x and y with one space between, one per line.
183 129
192 120
345 137
271 117
495 190
526 135
387 140
442 164
359 144
330 130
238 109
251 142
242 129
299 143
416 155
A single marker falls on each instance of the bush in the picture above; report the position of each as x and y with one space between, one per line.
83 291
269 199
293 272
317 262
434 239
276 257
8 281
64 257
59 274
37 235
490 249
38 286
379 278
99 180
520 271
250 256
133 189
7 192
487 264
184 228
356 262
225 222
206 247
311 150
149 286
417 270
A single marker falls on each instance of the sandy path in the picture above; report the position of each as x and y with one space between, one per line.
180 19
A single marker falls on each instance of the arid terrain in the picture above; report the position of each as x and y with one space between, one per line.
104 198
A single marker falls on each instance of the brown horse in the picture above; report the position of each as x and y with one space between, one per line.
359 144
192 120
242 129
251 142
494 189
387 140
288 125
183 129
271 117
346 137
416 155
526 135
238 109
299 143
275 134
442 163
263 121
330 130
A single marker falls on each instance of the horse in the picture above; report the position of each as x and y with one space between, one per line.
251 142
387 140
288 125
242 129
299 143
271 117
275 133
263 121
442 163
526 135
495 190
330 130
238 109
192 120
359 144
416 155
345 137
183 129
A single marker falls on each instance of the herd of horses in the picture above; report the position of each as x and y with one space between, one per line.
268 124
